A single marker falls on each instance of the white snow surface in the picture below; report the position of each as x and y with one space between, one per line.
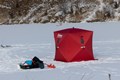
29 40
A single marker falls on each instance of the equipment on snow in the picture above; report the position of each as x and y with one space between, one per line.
50 65
34 63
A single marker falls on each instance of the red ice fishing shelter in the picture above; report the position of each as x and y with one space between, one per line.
73 44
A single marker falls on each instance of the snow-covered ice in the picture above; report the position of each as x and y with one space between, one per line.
29 40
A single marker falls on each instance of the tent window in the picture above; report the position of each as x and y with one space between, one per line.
82 40
58 40
59 36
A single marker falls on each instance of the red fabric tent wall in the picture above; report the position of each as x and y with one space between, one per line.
73 44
